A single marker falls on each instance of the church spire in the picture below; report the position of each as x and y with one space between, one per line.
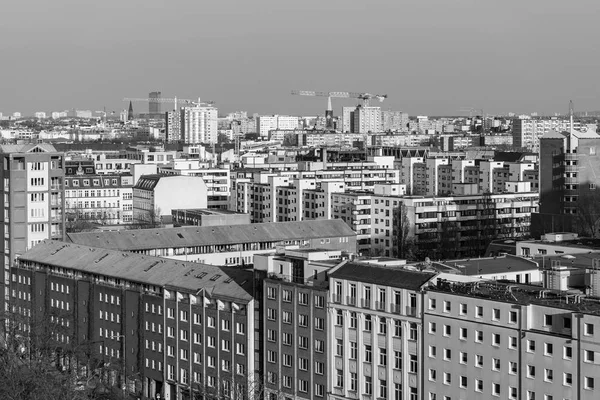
130 112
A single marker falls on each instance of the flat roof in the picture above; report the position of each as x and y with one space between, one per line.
185 276
489 265
591 243
188 236
385 276
207 211
518 294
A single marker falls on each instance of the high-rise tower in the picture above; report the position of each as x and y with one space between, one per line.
154 105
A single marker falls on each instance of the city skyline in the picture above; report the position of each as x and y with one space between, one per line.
433 58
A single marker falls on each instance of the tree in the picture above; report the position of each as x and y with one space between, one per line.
78 220
245 389
588 212
405 244
39 360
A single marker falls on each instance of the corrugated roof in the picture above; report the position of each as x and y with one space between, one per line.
185 276
386 276
145 239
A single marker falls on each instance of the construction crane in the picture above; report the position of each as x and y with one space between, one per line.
364 97
176 101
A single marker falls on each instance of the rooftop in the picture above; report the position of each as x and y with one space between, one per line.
27 148
520 294
386 276
206 211
185 276
486 266
145 239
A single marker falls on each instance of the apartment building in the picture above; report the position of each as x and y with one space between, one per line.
527 132
32 195
367 119
494 340
97 198
568 165
155 196
394 121
173 126
458 225
295 318
158 327
198 124
217 180
375 332
232 245
266 123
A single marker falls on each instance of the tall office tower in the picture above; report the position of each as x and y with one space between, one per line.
154 105
348 119
394 121
33 176
172 126
199 125
367 119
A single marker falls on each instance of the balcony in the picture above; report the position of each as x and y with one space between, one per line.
351 301
411 311
396 308
336 298
380 306
365 303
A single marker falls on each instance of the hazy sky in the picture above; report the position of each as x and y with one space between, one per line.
429 56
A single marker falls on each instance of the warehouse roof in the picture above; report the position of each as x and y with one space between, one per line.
184 276
143 239
385 276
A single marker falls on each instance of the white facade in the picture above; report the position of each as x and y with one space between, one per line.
199 125
266 123
367 119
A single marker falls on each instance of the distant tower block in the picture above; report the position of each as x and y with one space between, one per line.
329 115
154 104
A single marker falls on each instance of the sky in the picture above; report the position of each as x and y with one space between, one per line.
431 57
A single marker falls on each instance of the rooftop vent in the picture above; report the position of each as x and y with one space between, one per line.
151 266
180 235
215 277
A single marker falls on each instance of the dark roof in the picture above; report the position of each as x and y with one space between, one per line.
142 239
508 156
184 276
387 276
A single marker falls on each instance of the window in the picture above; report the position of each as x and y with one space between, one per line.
210 321
588 356
319 346
302 298
398 360
286 339
368 323
496 364
353 320
319 390
287 317
397 328
447 306
495 339
567 379
463 309
512 368
512 393
478 360
368 353
382 326
463 333
479 311
368 385
447 330
319 368
548 349
432 375
447 378
319 324
548 375
547 320
512 317
412 331
479 336
567 322
478 385
531 371
383 388
303 342
512 342
588 383
495 389
495 314
447 354
413 364
382 356
271 356
303 385
287 360
287 296
432 304
432 327
170 313
353 350
464 357
463 382
567 352
588 329
339 348
339 320
353 381
303 320
271 293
